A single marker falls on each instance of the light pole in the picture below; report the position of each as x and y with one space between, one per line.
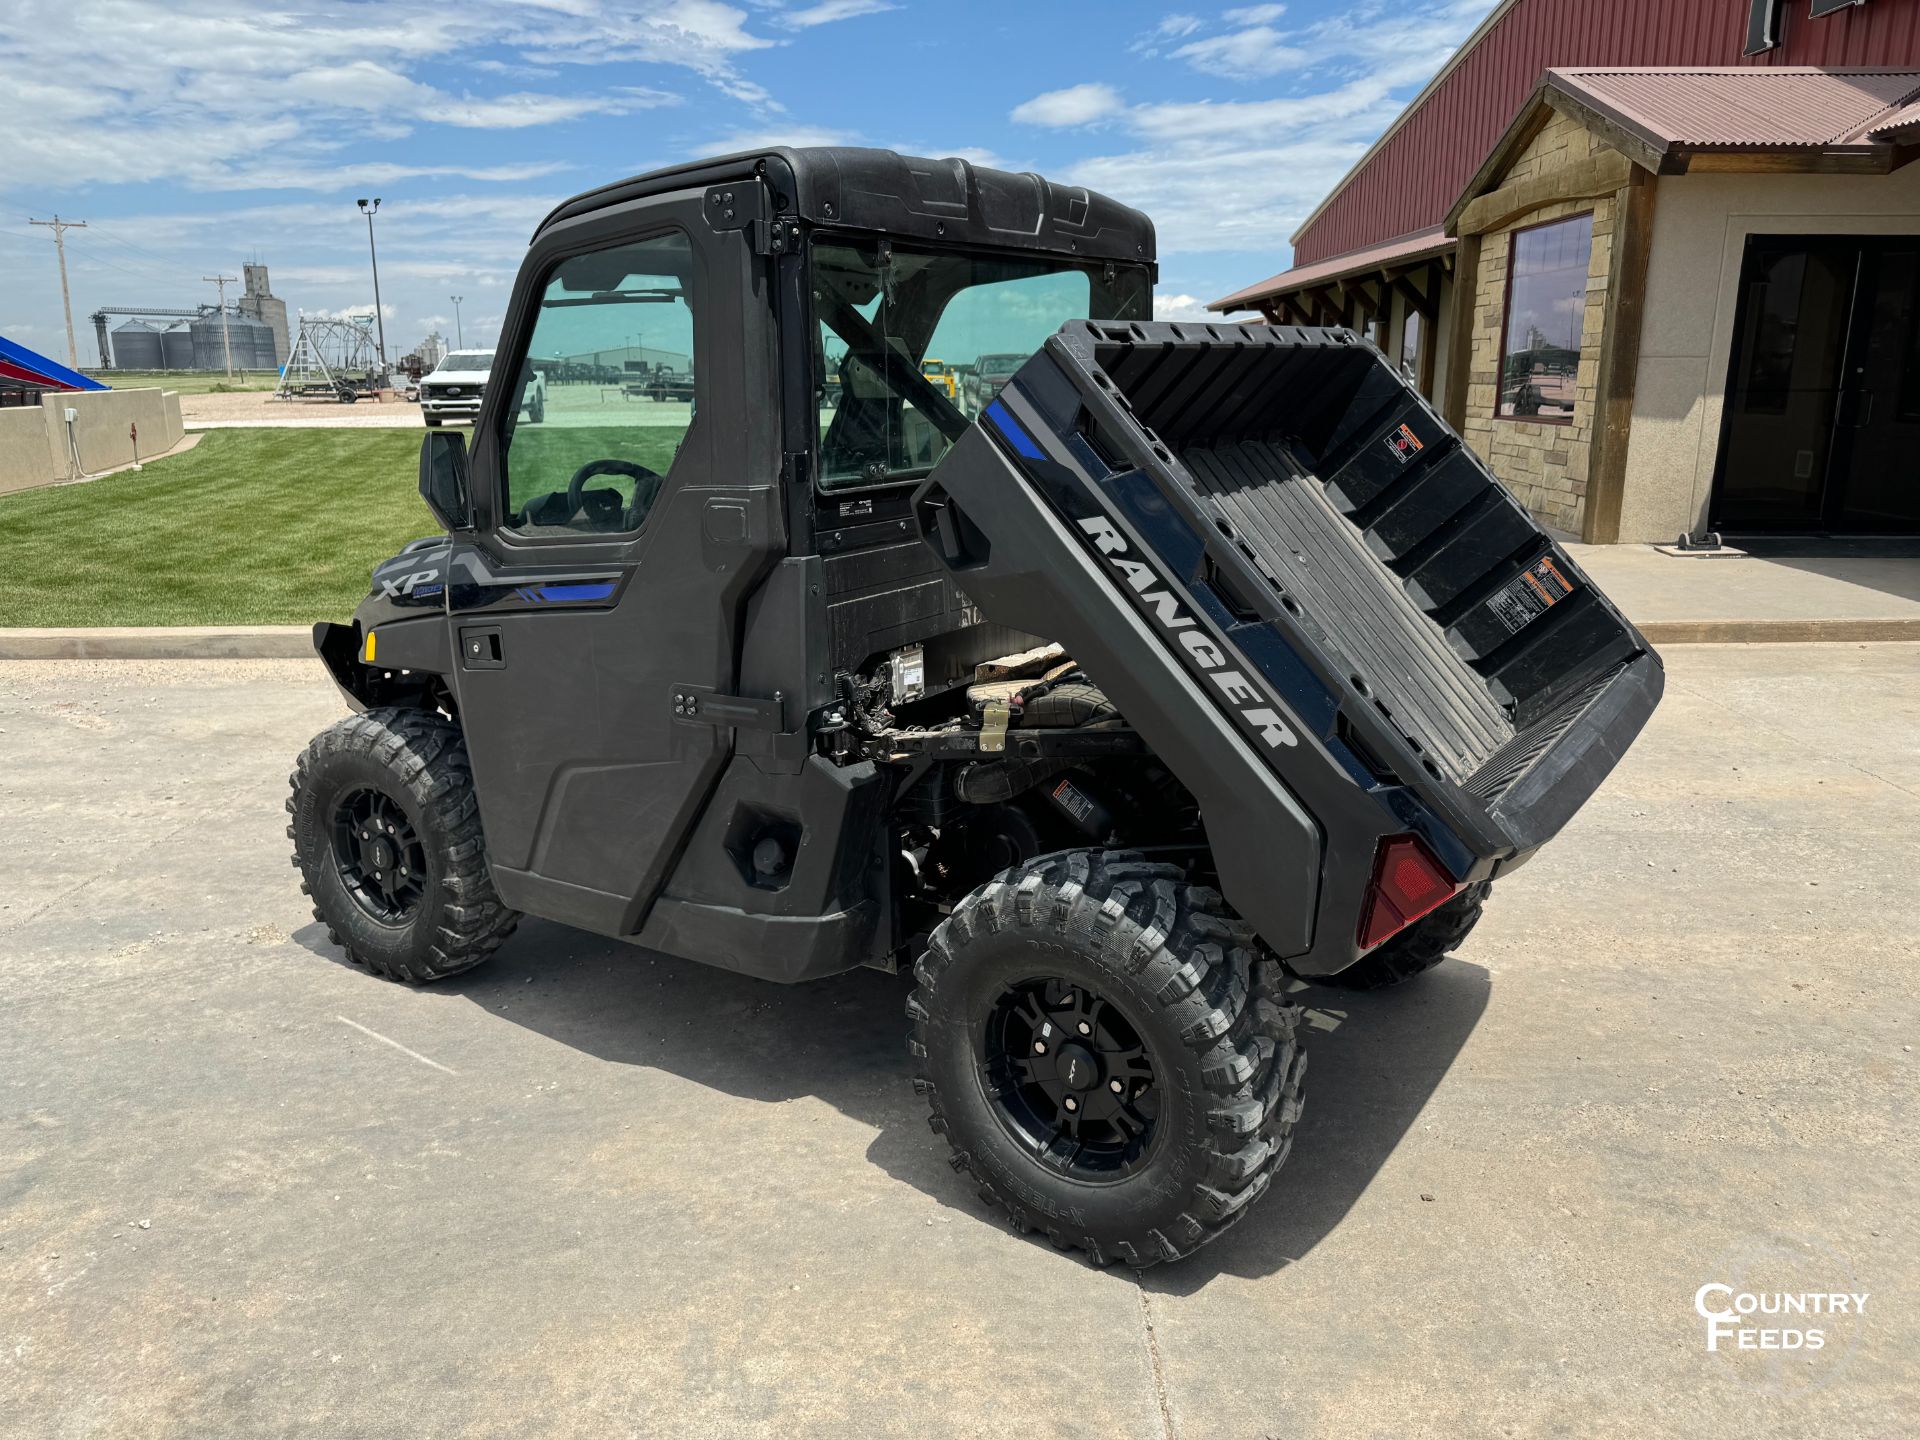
378 319
459 335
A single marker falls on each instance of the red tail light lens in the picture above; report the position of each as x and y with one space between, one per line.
1407 883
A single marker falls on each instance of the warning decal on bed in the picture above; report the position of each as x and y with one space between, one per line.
1404 444
1532 593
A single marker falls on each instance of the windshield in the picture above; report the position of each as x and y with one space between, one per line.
889 317
467 360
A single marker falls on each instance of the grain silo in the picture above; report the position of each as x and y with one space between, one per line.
250 341
176 347
136 346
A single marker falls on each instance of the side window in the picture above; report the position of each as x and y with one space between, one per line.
913 344
604 397
1546 310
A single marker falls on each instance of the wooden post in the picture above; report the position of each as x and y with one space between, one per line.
1466 278
1622 315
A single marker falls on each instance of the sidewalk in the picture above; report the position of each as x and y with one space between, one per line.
1681 599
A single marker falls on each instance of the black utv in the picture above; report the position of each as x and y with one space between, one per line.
1206 658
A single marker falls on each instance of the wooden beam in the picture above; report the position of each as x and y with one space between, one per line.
1422 301
1466 272
1586 179
1645 148
1622 316
1878 161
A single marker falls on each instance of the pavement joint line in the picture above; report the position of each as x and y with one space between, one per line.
1153 1360
395 1044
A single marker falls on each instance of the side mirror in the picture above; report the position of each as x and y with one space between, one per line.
443 478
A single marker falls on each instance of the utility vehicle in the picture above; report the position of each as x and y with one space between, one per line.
455 387
1205 660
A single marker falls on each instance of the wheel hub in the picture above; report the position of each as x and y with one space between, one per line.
1069 1076
1078 1069
378 855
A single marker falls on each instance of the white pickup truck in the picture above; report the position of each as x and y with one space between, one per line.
453 389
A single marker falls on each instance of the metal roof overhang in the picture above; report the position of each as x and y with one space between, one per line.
1327 290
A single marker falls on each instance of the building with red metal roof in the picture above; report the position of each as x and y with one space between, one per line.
1658 262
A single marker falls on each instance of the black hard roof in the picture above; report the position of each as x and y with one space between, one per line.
909 195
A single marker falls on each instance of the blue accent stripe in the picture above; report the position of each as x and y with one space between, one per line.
594 590
1009 428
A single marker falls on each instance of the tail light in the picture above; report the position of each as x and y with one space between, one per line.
1407 884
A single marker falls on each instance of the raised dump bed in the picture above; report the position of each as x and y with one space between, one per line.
1469 656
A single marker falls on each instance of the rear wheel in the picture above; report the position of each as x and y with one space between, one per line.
1105 1054
1419 947
386 836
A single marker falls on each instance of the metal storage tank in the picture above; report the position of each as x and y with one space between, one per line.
266 351
136 346
176 347
249 338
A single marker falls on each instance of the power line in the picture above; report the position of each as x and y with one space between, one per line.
226 340
60 228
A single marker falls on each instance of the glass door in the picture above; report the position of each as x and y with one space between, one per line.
1790 338
1877 450
1821 430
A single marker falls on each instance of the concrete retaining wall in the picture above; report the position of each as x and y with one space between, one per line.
34 441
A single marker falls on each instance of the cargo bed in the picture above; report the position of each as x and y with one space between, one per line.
1414 621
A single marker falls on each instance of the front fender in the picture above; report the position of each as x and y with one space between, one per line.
409 656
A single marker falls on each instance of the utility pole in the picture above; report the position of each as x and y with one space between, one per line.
226 336
459 335
60 228
379 319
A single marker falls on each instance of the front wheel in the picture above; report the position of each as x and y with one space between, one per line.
386 836
1107 1054
433 421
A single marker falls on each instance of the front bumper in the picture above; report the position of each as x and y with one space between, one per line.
450 407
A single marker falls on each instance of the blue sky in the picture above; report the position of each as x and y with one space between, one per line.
195 134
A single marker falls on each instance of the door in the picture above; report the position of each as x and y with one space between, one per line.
1823 400
1877 457
623 523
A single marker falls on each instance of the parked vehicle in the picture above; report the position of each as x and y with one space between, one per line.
456 386
988 378
1206 659
942 376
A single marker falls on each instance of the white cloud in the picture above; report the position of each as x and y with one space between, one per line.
1240 175
1245 54
1181 307
351 312
220 94
829 11
1076 105
1254 15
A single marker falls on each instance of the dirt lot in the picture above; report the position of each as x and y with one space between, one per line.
257 408
587 1191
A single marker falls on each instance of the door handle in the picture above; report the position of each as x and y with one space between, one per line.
480 648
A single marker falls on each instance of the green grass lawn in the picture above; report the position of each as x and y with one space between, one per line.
187 382
250 527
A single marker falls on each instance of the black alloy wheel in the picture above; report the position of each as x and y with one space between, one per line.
381 862
1071 1079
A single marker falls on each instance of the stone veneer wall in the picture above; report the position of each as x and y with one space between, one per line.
1545 465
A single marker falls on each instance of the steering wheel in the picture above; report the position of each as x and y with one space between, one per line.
643 492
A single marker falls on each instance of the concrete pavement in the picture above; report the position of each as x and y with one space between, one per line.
246 1190
1790 591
